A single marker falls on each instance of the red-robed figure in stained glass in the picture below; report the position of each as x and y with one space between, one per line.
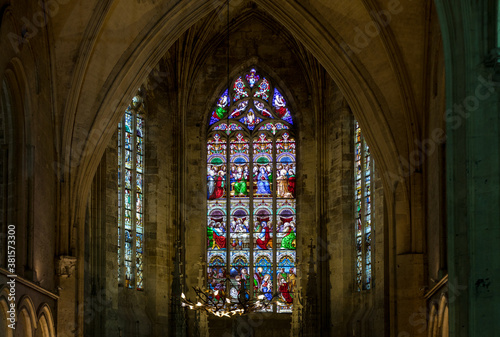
219 235
264 236
219 186
284 288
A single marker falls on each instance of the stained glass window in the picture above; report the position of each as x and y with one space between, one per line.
131 195
362 210
251 208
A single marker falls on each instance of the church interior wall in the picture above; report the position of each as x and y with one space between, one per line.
58 137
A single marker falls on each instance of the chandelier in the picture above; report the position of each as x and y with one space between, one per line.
236 301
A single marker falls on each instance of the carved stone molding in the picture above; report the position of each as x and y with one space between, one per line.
65 265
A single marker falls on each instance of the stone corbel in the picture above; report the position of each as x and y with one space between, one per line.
65 265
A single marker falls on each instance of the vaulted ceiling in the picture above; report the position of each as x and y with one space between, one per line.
378 52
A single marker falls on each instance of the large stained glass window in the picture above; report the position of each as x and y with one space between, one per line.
131 196
362 210
251 208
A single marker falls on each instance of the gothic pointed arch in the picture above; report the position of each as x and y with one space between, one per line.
251 205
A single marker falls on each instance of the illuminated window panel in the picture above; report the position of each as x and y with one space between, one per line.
251 190
131 196
287 279
216 272
363 163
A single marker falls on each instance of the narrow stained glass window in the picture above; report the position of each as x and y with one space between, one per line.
251 208
362 210
131 196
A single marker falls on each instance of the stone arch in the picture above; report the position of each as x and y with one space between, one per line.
442 317
432 327
20 80
26 322
19 176
42 329
4 315
45 327
445 330
366 101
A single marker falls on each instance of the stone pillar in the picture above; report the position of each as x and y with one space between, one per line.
178 313
67 307
311 313
473 168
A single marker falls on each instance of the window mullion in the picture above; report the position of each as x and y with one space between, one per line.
133 193
363 214
228 208
251 211
275 221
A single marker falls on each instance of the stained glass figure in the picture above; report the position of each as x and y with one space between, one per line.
261 108
263 166
263 283
279 105
139 145
263 235
239 154
138 202
286 238
250 119
216 175
216 232
221 108
362 210
131 198
251 218
138 182
128 219
216 271
128 141
128 159
128 198
128 179
287 283
140 127
240 217
239 109
128 122
139 222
